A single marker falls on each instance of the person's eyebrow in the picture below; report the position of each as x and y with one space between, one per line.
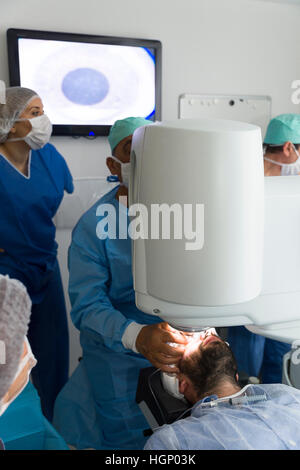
32 107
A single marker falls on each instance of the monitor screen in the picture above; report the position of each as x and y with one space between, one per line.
87 82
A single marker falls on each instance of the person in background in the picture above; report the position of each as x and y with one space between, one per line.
33 178
15 309
225 416
97 407
22 424
257 355
281 146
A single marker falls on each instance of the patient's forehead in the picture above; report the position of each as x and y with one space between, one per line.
198 342
191 347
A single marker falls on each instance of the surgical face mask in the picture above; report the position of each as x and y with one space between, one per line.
21 378
40 133
288 169
125 171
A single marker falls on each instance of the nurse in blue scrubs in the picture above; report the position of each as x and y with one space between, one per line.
33 178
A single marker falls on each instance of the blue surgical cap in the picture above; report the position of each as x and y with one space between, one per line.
283 128
123 128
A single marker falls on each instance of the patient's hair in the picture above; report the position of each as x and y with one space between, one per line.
208 368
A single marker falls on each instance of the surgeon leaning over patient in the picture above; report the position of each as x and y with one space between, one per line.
255 354
224 416
33 178
97 407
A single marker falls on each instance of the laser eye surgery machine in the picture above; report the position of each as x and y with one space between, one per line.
238 263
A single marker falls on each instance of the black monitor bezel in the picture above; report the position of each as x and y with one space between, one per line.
13 35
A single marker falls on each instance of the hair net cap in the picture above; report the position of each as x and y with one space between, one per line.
283 128
123 128
17 98
15 310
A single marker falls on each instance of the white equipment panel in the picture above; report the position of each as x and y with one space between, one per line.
218 164
246 108
87 191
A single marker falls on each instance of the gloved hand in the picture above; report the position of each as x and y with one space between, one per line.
152 342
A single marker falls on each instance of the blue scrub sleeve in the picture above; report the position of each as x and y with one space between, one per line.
68 179
58 168
59 160
92 309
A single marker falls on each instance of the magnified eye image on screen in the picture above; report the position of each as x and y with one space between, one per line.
87 83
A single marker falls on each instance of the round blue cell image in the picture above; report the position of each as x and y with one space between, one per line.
85 86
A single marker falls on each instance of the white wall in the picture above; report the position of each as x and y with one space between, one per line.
209 46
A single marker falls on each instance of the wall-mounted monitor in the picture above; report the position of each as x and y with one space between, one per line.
87 82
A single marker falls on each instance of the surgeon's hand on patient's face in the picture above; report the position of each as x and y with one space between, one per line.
152 342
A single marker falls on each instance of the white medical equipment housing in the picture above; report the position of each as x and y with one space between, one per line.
218 165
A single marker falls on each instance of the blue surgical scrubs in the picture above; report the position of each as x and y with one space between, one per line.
28 252
97 406
23 426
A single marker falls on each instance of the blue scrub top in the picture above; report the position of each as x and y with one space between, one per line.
23 426
28 204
